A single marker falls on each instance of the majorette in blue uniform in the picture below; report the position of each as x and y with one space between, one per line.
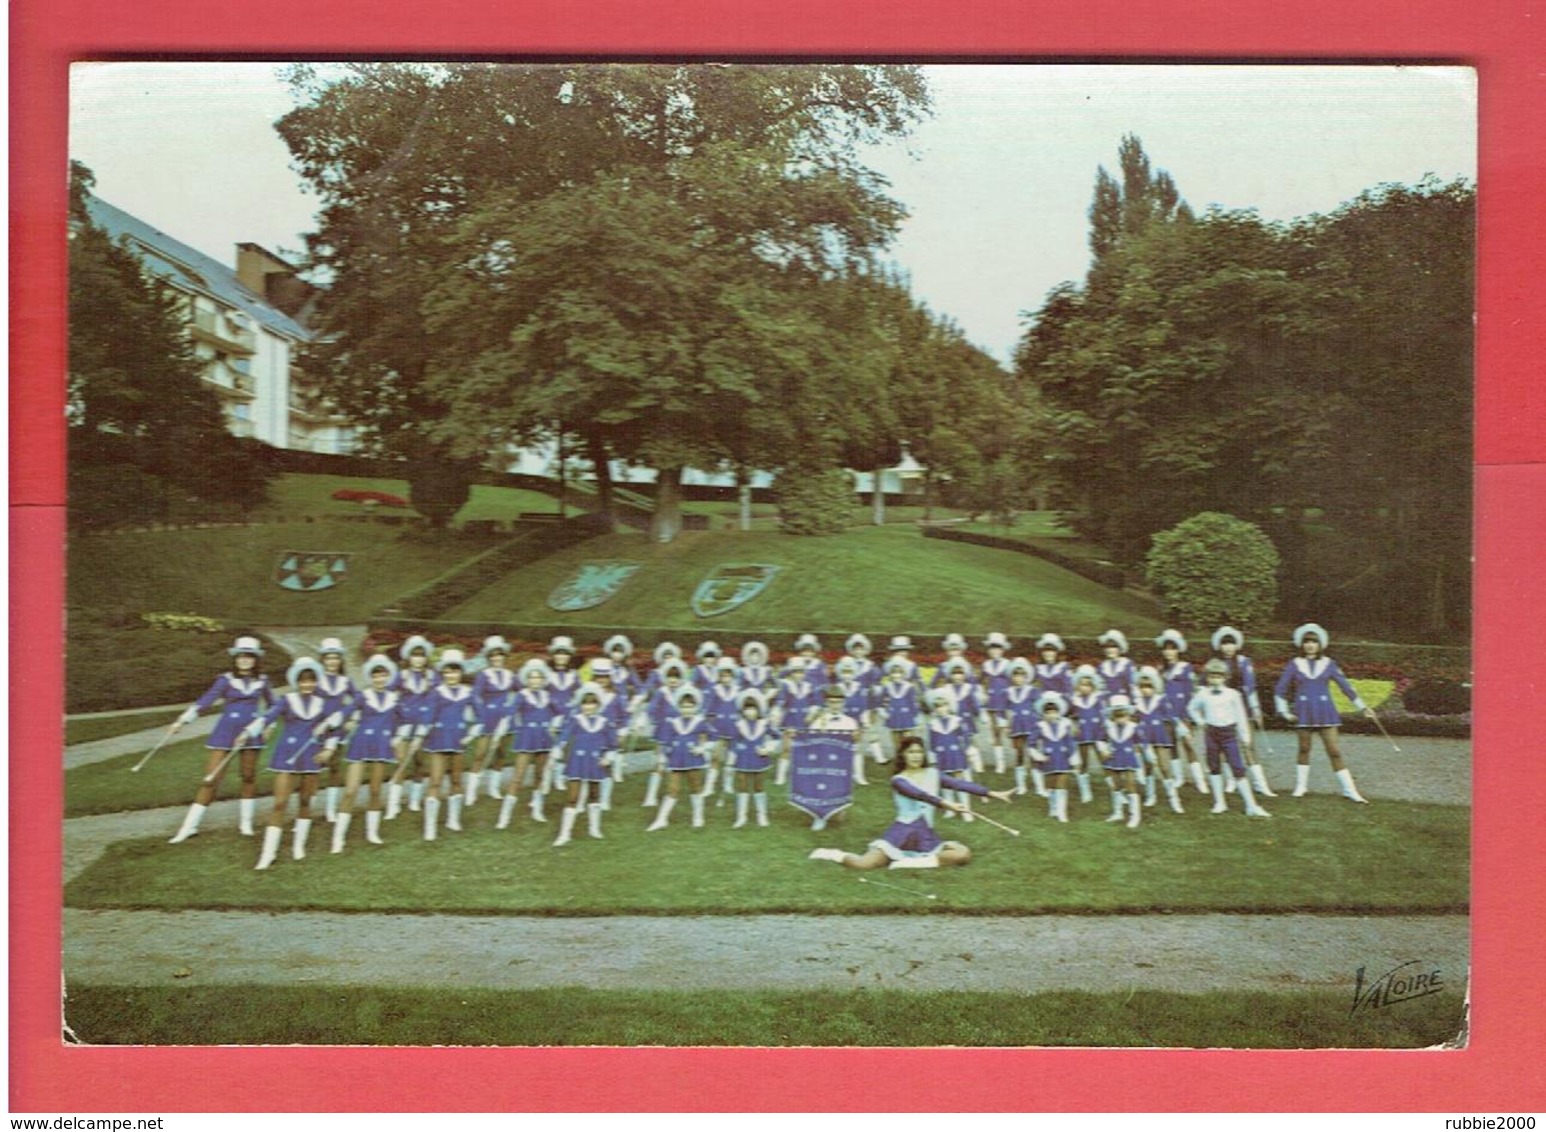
808 649
1116 672
587 740
1158 729
1055 742
684 752
756 673
866 671
722 700
625 681
899 647
1119 751
1087 711
298 751
1053 675
1242 673
563 679
954 645
753 744
706 671
1304 699
665 651
897 699
377 718
947 734
797 696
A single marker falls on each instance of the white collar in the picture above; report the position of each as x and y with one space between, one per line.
758 728
1120 730
304 707
459 692
382 700
1312 668
591 723
947 725
1055 730
683 723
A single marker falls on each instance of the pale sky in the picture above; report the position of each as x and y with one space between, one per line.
998 181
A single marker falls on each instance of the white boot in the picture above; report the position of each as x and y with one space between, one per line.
998 760
341 830
1229 784
247 808
781 775
1060 799
1301 779
506 812
271 836
859 779
1117 799
593 820
1020 773
606 793
877 752
1259 780
929 862
1135 810
190 825
1197 778
1085 794
298 844
652 789
663 818
617 767
493 782
742 804
331 802
761 803
394 800
431 817
1219 805
1350 791
710 781
415 795
373 827
1038 783
1252 810
470 784
566 825
538 800
1174 796
454 813
697 811
827 855
1150 788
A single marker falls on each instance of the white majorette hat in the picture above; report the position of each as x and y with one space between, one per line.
535 664
1049 698
305 664
940 696
900 644
1221 667
1050 641
708 649
857 641
1311 630
601 666
754 654
381 663
953 665
618 643
666 651
846 667
1114 637
726 664
561 644
592 690
413 644
249 645
896 668
953 641
331 646
1227 633
1087 672
451 658
673 666
1020 664
1148 673
1117 703
753 696
995 641
808 641
796 664
1174 637
686 692
493 644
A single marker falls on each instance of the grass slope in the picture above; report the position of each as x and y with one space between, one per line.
875 578
108 727
169 779
227 573
342 1015
295 494
1317 854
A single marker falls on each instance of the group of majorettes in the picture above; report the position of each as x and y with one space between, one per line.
438 731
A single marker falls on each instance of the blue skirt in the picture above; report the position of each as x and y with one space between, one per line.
908 839
296 753
229 726
585 766
371 745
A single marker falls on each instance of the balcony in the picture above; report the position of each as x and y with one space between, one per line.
229 383
219 329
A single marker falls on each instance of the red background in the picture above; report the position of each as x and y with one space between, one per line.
1500 1070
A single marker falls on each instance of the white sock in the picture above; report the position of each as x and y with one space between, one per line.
1038 782
394 803
566 825
928 862
1134 810
1218 793
1349 790
858 772
827 855
1259 779
1249 799
331 802
1085 794
1020 773
606 793
469 791
538 806
415 795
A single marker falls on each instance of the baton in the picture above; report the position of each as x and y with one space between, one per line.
1372 716
980 816
153 750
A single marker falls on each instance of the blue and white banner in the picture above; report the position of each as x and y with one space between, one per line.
821 767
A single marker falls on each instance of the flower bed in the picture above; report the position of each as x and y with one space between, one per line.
356 495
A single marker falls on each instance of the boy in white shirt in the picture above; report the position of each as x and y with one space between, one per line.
1219 711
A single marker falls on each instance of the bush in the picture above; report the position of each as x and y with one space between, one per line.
1102 573
1432 696
1214 569
815 501
113 668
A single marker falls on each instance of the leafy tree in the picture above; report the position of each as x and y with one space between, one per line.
814 500
1214 569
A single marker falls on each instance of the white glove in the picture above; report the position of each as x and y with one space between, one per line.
557 750
187 717
474 731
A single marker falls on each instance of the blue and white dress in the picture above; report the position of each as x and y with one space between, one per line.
1156 720
746 744
1242 678
796 700
1306 685
563 683
898 704
339 693
758 676
378 719
585 739
969 699
243 699
995 675
948 738
416 687
1180 684
1020 709
857 700
1119 676
720 704
1058 740
683 736
912 834
494 690
531 721
1056 677
452 721
299 718
1089 715
1119 747
662 710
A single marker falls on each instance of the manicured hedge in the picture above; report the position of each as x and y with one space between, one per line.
1103 573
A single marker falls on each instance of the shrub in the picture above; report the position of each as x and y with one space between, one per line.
1432 696
815 501
1214 569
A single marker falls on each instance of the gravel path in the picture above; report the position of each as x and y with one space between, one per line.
1191 954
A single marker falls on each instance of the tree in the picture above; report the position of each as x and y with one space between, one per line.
144 429
1214 569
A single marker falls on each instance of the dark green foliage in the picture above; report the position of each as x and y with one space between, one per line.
439 488
1214 569
135 666
1103 572
815 501
1433 696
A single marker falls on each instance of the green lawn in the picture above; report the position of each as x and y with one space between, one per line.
227 573
294 495
168 779
345 1015
1317 854
874 578
90 730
